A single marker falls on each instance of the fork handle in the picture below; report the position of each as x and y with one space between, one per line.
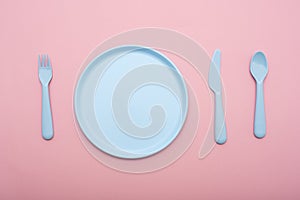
220 126
47 126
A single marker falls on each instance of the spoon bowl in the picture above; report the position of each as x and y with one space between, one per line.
259 66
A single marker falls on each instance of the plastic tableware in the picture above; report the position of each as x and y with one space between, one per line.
259 71
214 81
131 102
45 76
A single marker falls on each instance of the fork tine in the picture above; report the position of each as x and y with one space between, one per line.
39 61
44 60
49 62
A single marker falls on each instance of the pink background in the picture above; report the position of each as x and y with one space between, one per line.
244 168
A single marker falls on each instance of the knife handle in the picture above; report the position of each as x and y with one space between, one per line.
260 116
220 125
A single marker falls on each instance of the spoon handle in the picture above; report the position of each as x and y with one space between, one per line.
260 116
220 126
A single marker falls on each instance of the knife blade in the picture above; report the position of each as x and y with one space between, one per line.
214 79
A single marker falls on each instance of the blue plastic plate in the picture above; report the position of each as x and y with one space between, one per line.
131 102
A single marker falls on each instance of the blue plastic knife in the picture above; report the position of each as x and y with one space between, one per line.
214 82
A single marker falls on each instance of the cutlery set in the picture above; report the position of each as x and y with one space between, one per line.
258 69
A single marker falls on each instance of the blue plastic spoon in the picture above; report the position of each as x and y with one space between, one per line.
259 71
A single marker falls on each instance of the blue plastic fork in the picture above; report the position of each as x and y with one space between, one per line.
45 76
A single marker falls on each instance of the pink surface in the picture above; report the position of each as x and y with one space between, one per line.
244 168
